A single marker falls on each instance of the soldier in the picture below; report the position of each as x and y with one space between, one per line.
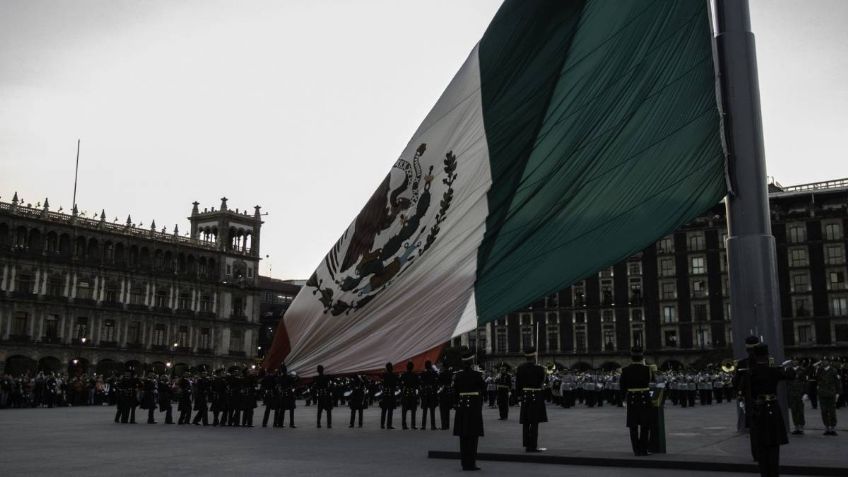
270 397
744 401
828 387
795 389
323 396
248 398
165 396
568 389
766 419
234 385
636 380
504 386
184 403
131 397
356 399
529 379
445 395
812 388
119 398
387 398
409 395
429 395
201 399
288 403
148 396
219 400
468 420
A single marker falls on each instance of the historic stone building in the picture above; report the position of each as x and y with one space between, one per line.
80 293
276 297
672 297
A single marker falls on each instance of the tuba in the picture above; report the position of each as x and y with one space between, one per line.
728 365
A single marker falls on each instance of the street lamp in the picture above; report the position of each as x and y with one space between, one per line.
83 340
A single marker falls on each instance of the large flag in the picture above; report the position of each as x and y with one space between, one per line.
574 135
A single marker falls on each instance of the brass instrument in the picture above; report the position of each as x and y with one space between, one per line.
728 365
550 368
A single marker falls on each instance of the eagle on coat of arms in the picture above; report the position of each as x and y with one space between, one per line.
389 233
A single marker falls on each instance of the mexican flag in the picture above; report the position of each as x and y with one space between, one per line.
575 134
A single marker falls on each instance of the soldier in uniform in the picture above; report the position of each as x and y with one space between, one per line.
409 395
118 387
387 398
504 386
248 398
468 419
234 384
219 400
286 383
184 404
529 379
356 399
742 367
795 390
445 395
270 397
828 387
429 395
766 419
201 397
165 396
148 397
636 381
323 396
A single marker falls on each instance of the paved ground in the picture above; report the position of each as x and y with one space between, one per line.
85 441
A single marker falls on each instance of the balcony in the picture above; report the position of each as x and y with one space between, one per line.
161 309
158 347
238 317
51 340
20 338
237 354
23 294
113 304
185 311
207 314
108 344
85 301
135 345
137 307
205 351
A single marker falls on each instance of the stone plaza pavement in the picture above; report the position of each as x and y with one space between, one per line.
85 441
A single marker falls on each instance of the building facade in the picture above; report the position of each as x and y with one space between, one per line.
80 293
672 297
276 296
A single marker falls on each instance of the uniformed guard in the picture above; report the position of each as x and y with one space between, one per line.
387 398
219 399
184 404
742 367
829 386
270 397
248 400
795 391
119 397
202 389
409 395
322 391
288 403
356 399
165 396
766 418
529 379
148 397
636 380
504 386
429 395
131 396
234 384
445 395
469 387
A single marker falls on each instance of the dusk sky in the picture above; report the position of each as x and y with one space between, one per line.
303 106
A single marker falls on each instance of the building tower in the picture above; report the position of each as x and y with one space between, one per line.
233 232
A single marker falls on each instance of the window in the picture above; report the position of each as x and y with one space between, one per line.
669 314
800 282
24 283
606 273
666 245
798 257
159 335
700 312
108 331
184 301
161 299
527 331
634 267
636 314
722 262
580 339
802 306
722 240
606 291
667 267
206 303
552 301
637 335
580 317
203 341
833 231
236 341
838 306
703 337
635 290
607 316
138 296
500 340
182 337
579 290
668 290
836 280
797 233
20 325
552 330
699 288
481 337
727 312
697 266
725 286
84 290
81 328
134 332
840 333
805 335
670 338
834 254
238 306
51 328
609 337
111 293
55 285
695 241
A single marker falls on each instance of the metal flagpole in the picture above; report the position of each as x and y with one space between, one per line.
76 172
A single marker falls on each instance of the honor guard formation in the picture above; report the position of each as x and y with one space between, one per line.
232 395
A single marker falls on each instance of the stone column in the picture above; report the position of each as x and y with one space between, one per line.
3 277
67 292
35 286
41 325
74 286
123 287
94 290
11 283
147 293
